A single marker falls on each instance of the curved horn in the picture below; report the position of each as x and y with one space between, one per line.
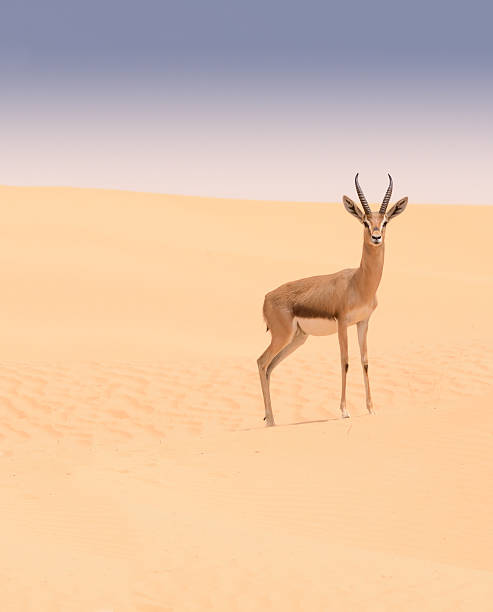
386 199
361 195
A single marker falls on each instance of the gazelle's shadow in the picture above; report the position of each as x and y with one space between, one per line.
297 423
290 424
309 422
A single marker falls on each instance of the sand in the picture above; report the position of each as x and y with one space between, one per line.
136 471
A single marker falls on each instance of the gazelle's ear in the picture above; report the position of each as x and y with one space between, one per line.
351 207
397 208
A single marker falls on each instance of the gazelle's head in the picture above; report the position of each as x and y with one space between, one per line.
374 222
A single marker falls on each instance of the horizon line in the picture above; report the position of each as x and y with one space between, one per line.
207 197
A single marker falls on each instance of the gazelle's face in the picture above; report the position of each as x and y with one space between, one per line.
375 228
374 222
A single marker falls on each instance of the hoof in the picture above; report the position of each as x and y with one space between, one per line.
268 423
345 415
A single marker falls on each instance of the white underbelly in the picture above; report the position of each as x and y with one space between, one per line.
317 327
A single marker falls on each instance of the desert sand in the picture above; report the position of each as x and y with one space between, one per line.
136 471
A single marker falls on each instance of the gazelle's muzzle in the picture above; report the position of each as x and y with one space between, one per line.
376 237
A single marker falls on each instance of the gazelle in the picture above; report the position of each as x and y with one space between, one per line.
324 305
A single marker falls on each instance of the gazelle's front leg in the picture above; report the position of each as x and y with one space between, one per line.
362 332
342 332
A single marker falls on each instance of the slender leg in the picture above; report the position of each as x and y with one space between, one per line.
362 332
282 335
299 339
342 332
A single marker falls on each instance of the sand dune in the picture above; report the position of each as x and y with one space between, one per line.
136 471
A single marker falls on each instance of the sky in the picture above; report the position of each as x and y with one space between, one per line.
265 100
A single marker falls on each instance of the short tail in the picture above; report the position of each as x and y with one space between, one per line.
265 318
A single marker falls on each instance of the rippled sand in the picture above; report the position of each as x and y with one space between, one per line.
136 471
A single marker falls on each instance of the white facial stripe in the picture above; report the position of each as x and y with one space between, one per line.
375 228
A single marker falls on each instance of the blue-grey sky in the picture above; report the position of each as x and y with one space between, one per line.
272 99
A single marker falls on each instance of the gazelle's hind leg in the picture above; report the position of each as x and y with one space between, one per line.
283 330
298 339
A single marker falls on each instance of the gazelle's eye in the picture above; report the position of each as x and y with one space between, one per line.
384 223
367 224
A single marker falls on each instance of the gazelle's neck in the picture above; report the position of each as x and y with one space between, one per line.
370 269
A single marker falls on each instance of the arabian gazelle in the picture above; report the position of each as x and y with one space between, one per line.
323 305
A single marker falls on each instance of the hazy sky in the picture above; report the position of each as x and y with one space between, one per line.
255 99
